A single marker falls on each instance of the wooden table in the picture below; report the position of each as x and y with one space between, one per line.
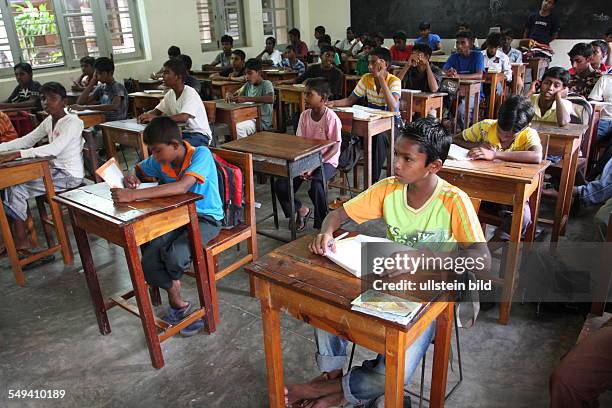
289 94
423 103
351 64
504 183
144 101
18 172
90 118
276 74
219 89
234 113
494 78
439 60
149 84
537 67
130 225
299 155
350 82
518 71
205 73
467 89
564 140
125 132
313 289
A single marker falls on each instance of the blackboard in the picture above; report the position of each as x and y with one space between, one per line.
579 19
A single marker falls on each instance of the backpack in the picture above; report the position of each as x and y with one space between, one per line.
131 85
349 152
231 190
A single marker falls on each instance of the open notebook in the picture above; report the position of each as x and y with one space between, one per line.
386 306
457 152
348 252
113 175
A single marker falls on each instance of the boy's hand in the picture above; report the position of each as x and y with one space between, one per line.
123 195
7 157
239 99
321 243
146 117
329 104
562 93
307 175
534 86
481 153
77 107
131 181
451 73
378 70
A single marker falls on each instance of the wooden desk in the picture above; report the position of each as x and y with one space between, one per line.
564 140
351 64
275 74
205 73
439 59
518 71
423 103
149 84
299 155
537 67
467 89
19 172
313 289
90 118
219 89
234 113
494 78
289 94
124 132
504 183
350 82
144 101
130 225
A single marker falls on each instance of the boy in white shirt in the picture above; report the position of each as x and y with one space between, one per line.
602 92
351 45
270 55
182 104
64 132
494 58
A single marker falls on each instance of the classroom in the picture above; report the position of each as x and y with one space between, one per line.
306 203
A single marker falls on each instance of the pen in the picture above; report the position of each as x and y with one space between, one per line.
338 238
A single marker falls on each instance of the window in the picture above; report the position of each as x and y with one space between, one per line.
219 17
277 19
48 33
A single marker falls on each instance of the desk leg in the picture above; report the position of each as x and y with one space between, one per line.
9 243
367 157
534 207
270 320
91 277
476 107
391 148
292 223
565 192
109 142
58 221
232 126
511 261
570 185
144 151
142 297
395 352
442 342
281 125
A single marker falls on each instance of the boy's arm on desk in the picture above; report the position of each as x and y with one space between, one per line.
125 195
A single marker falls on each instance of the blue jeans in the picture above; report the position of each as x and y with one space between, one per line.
196 139
604 129
366 382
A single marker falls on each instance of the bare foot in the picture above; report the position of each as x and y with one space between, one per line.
331 400
312 391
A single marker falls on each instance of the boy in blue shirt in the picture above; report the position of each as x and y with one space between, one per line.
466 63
426 37
180 168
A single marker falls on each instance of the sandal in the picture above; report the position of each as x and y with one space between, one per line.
300 222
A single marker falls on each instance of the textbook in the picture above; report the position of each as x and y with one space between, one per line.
457 152
385 306
348 252
113 175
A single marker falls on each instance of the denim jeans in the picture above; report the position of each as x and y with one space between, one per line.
366 382
604 129
196 139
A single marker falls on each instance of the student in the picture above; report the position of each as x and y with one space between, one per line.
270 55
426 37
550 103
181 168
602 92
419 208
608 39
362 61
466 63
291 62
379 40
598 192
600 56
257 90
543 26
64 133
27 92
189 79
173 52
109 96
7 131
399 50
317 122
351 45
584 76
235 72
495 60
319 32
325 69
224 57
301 49
87 72
420 73
508 138
183 105
467 28
383 91
513 54
325 41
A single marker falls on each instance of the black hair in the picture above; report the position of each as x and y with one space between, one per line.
53 88
24 66
227 38
320 86
104 64
271 39
350 29
378 35
186 59
433 139
424 48
424 26
177 66
253 64
174 51
320 29
507 33
603 46
559 73
583 49
239 53
368 41
327 48
295 32
87 60
464 34
162 129
494 40
326 39
515 114
290 47
400 35
464 25
383 54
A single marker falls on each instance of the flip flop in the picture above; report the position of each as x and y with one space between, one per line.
300 222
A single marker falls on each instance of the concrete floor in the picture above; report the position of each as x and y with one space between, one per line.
49 339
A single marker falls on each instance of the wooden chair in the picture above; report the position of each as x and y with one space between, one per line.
346 118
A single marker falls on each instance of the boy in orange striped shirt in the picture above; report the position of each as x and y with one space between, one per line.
7 131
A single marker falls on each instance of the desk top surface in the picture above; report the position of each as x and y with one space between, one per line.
23 162
155 95
125 124
572 130
95 200
278 145
221 104
520 172
295 88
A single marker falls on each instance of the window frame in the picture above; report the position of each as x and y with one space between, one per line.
289 15
219 24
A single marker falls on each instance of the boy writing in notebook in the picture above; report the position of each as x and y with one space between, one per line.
181 168
422 211
550 103
316 122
